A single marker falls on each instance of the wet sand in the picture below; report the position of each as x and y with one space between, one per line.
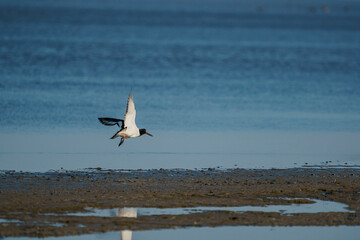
38 200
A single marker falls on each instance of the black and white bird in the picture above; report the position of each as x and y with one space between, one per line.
128 128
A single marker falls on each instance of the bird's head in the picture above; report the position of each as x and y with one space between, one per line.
143 131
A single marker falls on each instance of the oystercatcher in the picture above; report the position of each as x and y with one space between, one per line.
128 128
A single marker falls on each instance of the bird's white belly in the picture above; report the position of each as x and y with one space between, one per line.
129 133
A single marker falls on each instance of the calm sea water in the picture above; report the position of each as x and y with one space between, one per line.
219 83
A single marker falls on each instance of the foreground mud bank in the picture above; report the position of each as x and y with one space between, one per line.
35 204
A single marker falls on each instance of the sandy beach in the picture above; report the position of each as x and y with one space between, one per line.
37 204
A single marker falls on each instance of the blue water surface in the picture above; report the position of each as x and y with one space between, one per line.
221 81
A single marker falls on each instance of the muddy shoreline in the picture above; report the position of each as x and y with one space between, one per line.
36 203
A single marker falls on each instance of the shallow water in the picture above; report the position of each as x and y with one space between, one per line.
318 206
245 232
72 151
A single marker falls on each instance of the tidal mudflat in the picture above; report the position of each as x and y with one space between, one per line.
49 204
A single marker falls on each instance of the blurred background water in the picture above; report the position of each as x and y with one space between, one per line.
219 83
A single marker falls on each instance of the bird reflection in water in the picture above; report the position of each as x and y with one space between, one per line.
130 213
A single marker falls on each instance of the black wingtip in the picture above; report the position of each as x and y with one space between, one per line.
102 120
111 121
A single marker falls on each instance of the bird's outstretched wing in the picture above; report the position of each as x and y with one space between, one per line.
111 121
129 119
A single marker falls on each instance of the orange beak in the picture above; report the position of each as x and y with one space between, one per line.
149 134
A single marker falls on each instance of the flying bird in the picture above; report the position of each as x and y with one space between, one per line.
128 128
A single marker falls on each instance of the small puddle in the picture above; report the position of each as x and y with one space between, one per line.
318 206
247 232
19 222
2 220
